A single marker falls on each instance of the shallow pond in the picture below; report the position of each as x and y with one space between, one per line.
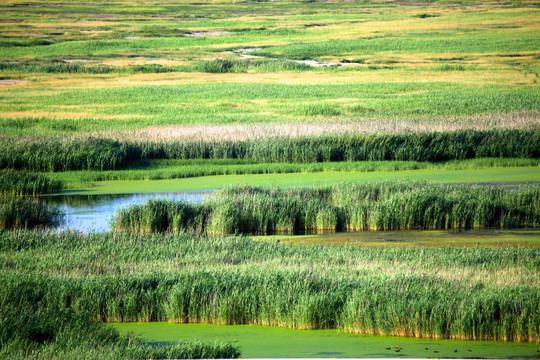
274 342
93 213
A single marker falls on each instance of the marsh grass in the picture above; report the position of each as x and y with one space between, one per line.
245 65
16 183
62 154
439 292
393 205
28 331
77 68
179 169
521 120
27 213
442 62
161 216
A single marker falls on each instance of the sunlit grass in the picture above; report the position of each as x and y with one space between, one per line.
413 61
439 292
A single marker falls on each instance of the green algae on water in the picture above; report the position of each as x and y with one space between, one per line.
274 342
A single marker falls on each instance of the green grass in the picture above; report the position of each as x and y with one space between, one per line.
410 61
433 82
62 154
370 206
16 183
234 102
77 184
27 213
40 333
439 292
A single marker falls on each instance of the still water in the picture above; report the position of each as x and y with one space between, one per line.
93 213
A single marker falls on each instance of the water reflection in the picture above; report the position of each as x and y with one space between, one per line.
93 213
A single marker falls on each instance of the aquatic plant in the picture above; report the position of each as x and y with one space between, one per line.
103 154
391 205
62 154
463 293
14 182
27 213
28 331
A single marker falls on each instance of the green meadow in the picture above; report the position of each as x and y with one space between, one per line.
108 67
415 123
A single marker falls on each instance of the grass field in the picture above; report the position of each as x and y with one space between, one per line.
88 66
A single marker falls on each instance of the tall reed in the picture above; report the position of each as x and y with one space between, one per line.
63 154
27 213
56 154
14 182
30 332
394 205
489 294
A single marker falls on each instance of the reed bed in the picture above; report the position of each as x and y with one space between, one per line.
395 205
101 154
62 154
17 183
162 215
30 332
406 147
27 213
438 292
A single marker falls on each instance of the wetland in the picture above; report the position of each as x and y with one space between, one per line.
269 179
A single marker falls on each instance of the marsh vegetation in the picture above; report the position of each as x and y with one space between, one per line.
369 206
439 292
112 96
27 213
